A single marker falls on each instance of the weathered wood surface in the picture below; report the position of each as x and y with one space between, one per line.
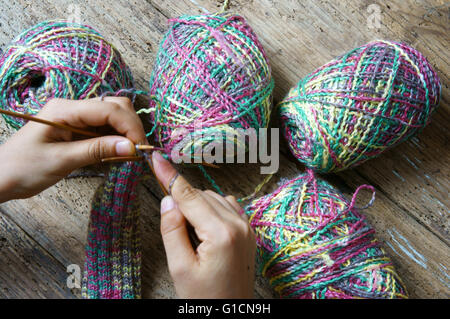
41 236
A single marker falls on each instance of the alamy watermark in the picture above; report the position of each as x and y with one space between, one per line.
374 18
74 13
227 146
74 278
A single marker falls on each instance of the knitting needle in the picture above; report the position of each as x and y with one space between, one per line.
68 128
143 147
85 133
164 190
119 159
54 124
151 148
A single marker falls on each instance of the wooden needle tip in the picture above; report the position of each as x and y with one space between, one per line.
144 147
122 159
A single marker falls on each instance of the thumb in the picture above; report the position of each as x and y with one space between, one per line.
91 151
179 250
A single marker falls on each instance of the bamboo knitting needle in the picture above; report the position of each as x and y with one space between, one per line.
151 147
150 164
85 133
67 128
54 124
142 147
88 134
119 159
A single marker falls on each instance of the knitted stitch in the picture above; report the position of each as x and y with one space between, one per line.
359 105
313 243
211 78
113 254
73 61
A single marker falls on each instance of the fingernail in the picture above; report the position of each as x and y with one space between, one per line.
167 204
124 148
157 157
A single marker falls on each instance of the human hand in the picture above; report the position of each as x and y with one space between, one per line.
37 156
222 266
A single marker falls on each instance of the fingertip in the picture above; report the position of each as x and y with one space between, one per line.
167 204
163 169
119 99
233 202
125 147
158 159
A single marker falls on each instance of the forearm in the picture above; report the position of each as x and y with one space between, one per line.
8 183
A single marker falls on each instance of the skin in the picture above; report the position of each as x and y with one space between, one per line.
222 266
38 156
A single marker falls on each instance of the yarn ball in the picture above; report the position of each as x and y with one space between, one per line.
313 243
211 78
58 59
359 105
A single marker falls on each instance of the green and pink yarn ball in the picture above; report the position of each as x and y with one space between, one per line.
359 105
210 80
313 243
58 59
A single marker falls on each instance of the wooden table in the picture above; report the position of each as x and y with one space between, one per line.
41 236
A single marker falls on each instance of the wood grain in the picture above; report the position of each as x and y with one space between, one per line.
27 270
412 181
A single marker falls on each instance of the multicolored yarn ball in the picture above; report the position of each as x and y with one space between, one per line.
210 80
73 61
359 105
58 59
313 243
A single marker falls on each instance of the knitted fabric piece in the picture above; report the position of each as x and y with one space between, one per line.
73 61
210 79
313 243
358 105
113 253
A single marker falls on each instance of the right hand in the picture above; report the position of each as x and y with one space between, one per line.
222 266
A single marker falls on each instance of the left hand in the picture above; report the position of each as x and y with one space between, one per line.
222 265
38 155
